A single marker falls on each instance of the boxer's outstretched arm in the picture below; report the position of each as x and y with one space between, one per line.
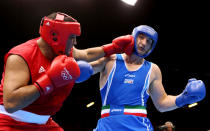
122 44
90 54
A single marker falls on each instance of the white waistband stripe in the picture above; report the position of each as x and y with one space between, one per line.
25 116
105 111
136 111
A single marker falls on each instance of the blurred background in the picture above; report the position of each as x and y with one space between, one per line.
182 51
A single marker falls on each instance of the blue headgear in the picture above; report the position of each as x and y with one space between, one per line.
149 32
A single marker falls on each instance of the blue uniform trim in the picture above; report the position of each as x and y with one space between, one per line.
146 86
109 82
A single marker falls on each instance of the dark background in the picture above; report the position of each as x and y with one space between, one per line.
182 51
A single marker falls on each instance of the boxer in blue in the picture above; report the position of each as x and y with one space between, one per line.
127 81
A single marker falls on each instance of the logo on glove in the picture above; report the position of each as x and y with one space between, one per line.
65 74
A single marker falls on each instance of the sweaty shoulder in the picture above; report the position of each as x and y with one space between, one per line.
110 62
156 73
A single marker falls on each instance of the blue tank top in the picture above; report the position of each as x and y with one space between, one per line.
125 87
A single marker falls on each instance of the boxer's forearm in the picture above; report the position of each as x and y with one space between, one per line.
20 98
90 54
167 104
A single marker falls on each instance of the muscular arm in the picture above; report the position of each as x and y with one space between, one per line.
161 100
90 54
17 94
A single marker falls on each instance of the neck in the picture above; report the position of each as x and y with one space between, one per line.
46 49
133 59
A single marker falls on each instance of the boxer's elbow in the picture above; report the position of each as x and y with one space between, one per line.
160 108
10 107
165 109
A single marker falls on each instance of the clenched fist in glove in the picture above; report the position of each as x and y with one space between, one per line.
62 71
122 44
86 71
195 91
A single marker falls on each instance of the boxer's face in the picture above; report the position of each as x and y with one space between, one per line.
70 43
144 44
73 40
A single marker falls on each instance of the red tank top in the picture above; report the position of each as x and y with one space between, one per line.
38 63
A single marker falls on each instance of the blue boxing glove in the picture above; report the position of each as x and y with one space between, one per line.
86 71
195 91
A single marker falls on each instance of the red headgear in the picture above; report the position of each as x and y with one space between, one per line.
56 32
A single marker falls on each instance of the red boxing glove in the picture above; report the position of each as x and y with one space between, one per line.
62 71
122 44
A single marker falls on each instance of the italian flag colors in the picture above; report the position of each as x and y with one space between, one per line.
128 110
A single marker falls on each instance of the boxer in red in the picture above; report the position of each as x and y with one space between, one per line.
40 73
